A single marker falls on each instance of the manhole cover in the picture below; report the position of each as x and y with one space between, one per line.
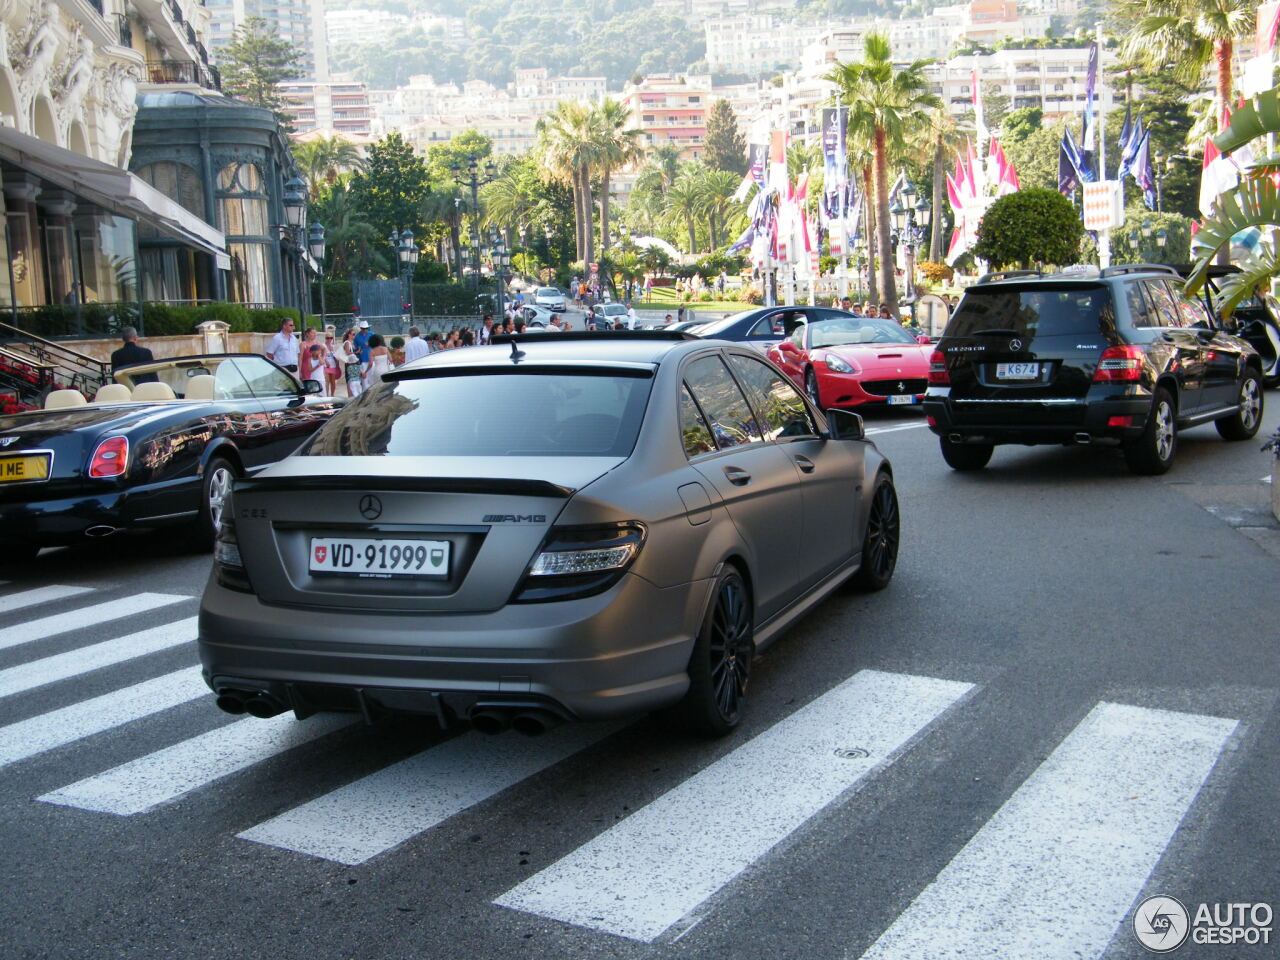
852 753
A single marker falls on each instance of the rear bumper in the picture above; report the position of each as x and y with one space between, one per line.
623 652
1090 419
69 520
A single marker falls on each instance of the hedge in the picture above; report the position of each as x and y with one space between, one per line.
429 299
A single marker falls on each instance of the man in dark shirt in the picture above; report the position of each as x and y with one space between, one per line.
131 353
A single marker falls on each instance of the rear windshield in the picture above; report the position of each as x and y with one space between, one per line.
530 414
1044 311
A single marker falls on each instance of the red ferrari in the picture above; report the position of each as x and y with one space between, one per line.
850 361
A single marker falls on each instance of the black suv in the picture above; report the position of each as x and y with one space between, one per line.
1115 356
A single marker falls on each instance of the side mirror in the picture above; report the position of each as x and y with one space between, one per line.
923 339
311 387
845 425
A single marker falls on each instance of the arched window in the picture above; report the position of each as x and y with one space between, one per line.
242 200
177 181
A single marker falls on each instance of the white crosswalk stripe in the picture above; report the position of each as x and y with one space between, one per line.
1055 870
167 774
363 819
85 617
641 876
38 673
38 595
57 728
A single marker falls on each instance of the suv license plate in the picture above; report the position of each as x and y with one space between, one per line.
905 398
1017 371
349 556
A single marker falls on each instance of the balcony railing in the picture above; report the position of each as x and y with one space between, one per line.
183 71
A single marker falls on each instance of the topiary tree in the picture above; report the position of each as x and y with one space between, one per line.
1029 227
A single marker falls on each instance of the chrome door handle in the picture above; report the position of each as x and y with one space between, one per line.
805 464
737 477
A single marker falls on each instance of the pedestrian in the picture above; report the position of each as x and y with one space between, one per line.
846 304
433 342
361 345
350 360
379 361
486 328
415 347
591 318
131 353
311 364
332 368
667 320
283 348
885 313
631 317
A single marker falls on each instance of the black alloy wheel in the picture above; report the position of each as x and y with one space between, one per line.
965 456
880 543
811 387
1151 452
721 663
1244 423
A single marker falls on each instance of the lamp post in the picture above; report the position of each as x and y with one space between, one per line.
1164 167
911 221
295 216
1162 237
501 260
317 254
406 257
475 181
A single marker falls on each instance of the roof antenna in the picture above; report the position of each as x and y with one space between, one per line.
516 354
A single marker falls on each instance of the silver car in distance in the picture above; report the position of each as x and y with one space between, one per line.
568 527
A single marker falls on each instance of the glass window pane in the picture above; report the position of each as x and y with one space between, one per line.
229 384
694 432
1139 308
265 379
775 400
249 273
1166 307
731 420
1193 313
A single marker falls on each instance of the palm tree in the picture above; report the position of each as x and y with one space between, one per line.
715 199
942 138
684 201
448 203
887 104
321 161
616 146
352 244
569 150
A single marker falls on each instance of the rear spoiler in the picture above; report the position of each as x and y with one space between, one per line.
514 486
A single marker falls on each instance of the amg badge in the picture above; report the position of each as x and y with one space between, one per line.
514 518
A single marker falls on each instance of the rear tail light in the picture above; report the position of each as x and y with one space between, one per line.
578 561
938 375
111 459
228 565
1119 364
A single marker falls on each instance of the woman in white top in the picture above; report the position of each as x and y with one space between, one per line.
379 360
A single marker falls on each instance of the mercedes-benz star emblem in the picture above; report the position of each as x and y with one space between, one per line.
370 507
1015 344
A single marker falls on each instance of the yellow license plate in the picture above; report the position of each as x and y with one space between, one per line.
17 469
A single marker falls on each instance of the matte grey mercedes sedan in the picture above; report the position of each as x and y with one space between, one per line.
564 527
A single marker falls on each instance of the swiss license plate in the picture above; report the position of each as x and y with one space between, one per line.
905 398
1017 371
380 557
19 469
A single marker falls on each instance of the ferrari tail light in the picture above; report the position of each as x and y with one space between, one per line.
1119 364
111 459
938 375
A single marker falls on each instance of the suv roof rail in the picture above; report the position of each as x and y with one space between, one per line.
1122 268
999 275
669 335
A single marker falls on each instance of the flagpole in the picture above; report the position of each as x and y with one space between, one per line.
1104 236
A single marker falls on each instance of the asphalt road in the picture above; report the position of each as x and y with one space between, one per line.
1065 702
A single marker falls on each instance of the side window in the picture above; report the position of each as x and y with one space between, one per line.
1163 304
265 379
694 432
767 327
1193 313
228 384
1139 307
776 401
729 416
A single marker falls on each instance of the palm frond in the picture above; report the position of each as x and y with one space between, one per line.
1255 203
1256 273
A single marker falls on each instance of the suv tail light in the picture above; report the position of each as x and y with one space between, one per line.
1119 364
111 459
579 561
938 375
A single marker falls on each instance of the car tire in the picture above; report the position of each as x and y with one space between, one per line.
1244 423
880 539
1151 452
811 387
721 662
219 472
965 456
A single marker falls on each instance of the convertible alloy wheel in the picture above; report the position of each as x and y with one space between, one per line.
811 388
220 478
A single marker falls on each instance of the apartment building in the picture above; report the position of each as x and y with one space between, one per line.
671 109
340 106
297 22
508 134
755 43
1053 80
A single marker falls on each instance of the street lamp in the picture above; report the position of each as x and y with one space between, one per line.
475 181
1162 237
295 216
501 260
407 256
317 254
1146 229
911 225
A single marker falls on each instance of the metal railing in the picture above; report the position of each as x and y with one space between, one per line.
80 370
173 71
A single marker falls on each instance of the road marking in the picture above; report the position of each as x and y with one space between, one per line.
167 774
58 727
1056 869
37 673
84 617
363 819
908 426
647 872
29 598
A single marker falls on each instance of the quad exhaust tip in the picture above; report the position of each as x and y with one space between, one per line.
260 704
492 720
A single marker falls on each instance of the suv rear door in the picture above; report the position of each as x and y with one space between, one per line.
1037 343
1175 331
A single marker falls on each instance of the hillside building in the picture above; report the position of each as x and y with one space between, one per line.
298 22
341 106
671 109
